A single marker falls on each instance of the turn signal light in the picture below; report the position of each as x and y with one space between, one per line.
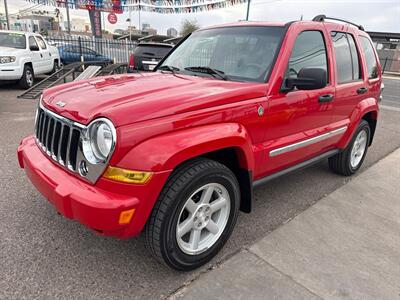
127 176
126 216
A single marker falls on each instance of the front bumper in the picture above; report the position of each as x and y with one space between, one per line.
96 206
10 72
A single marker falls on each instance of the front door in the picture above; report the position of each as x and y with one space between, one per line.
35 56
298 125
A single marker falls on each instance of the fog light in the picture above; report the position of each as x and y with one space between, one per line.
127 176
126 216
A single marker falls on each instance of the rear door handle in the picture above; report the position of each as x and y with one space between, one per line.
325 98
362 90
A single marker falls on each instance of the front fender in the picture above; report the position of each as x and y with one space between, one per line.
364 107
165 152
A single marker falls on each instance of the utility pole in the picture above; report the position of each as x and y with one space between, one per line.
7 18
68 19
248 10
140 30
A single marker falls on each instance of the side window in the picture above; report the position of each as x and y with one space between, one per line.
372 65
309 51
355 58
41 42
32 42
347 61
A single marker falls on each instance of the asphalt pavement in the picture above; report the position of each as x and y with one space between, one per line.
43 255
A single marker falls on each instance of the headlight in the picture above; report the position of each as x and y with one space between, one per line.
99 141
7 59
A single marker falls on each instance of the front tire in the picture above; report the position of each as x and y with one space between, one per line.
194 215
28 78
350 160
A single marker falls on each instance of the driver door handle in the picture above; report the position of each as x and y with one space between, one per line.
362 90
325 98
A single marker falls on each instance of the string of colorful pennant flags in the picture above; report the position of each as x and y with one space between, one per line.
156 6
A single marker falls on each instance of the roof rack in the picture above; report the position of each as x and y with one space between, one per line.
322 18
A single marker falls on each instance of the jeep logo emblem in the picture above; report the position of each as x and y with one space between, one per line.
61 104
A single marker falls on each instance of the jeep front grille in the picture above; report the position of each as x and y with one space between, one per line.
61 139
58 137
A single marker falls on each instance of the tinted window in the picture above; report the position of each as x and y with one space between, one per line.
372 65
347 63
157 51
354 57
32 42
12 40
308 52
41 42
243 53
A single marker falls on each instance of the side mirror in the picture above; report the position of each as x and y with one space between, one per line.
308 79
34 48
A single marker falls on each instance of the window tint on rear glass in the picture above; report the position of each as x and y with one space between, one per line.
347 61
309 52
372 65
156 51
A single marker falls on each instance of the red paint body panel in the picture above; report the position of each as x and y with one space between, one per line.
163 120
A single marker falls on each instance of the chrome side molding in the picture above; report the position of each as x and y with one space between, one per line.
307 142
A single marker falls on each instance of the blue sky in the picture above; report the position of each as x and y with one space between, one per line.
374 15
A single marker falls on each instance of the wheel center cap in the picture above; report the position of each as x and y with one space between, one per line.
202 216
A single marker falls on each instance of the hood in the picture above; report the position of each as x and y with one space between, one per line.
126 99
10 51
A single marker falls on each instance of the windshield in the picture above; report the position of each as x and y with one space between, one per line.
12 40
243 53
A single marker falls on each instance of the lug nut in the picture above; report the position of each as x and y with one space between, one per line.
207 209
195 219
207 218
199 225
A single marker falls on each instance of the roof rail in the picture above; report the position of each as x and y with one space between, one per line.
322 18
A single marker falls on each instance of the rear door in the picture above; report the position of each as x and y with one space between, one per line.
45 55
351 87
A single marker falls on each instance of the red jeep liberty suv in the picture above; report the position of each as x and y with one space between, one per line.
176 152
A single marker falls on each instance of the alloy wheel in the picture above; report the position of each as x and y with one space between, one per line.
203 218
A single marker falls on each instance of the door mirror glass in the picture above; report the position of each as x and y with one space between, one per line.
33 48
308 79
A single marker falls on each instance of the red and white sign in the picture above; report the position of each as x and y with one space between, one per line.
112 18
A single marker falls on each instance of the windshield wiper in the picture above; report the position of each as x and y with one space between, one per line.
207 70
169 68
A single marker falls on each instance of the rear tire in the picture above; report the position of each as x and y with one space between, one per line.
350 160
204 194
56 67
28 78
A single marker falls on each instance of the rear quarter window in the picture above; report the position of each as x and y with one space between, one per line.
370 58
